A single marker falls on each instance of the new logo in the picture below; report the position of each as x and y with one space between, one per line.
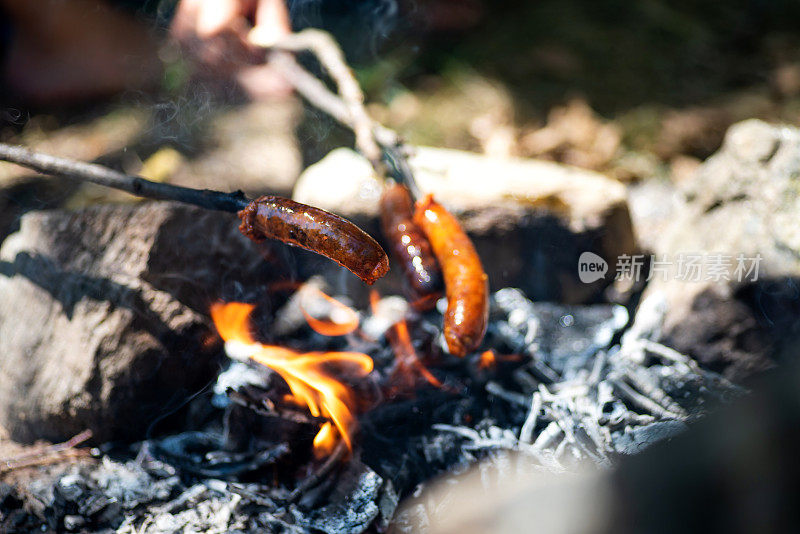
591 267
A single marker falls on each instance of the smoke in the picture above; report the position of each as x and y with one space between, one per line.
360 26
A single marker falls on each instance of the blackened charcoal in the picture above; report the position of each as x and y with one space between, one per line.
635 440
69 489
204 454
564 399
353 503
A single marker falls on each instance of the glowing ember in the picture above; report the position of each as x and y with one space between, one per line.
343 319
374 299
308 375
488 360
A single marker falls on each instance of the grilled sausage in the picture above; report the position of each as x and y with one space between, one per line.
316 230
466 284
422 278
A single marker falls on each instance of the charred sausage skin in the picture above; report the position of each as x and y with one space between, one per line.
466 283
422 277
336 238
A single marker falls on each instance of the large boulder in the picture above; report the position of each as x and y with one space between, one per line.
741 211
530 220
103 315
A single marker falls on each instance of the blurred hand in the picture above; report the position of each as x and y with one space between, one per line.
215 34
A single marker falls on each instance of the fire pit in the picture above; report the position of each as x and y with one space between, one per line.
215 380
342 412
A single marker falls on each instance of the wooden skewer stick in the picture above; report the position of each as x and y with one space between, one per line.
318 95
378 144
331 57
136 185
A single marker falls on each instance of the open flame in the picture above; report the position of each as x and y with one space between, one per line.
343 318
408 366
309 375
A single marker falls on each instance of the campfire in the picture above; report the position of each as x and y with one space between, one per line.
329 425
310 376
266 389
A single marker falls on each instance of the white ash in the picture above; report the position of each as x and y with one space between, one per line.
586 393
237 374
601 400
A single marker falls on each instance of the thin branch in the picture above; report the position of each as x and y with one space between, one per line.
318 95
380 145
48 454
317 476
311 88
377 143
136 185
330 56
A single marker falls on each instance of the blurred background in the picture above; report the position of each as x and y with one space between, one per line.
640 90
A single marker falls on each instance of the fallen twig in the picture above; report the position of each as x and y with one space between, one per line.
48 454
317 476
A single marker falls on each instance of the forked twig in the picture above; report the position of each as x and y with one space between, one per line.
331 57
373 140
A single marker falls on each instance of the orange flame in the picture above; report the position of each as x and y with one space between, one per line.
407 364
344 319
307 374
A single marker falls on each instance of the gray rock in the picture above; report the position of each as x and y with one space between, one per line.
743 200
103 315
653 204
530 220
